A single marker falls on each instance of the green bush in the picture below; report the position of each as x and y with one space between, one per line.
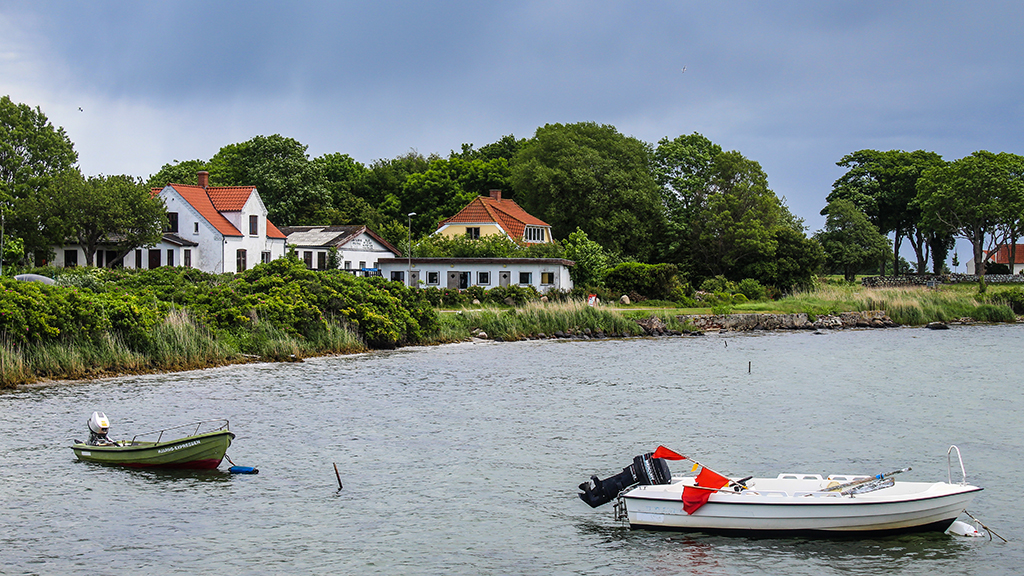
752 289
1013 297
652 281
718 284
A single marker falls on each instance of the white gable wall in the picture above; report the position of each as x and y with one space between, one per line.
209 255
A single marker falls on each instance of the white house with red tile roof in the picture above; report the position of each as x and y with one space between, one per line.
217 229
492 214
1001 255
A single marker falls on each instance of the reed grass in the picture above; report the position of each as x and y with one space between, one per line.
179 342
907 305
535 319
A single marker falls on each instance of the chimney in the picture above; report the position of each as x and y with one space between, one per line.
496 195
204 179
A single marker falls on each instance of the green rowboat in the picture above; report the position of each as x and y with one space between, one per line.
171 449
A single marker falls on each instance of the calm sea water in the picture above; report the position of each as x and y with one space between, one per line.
464 459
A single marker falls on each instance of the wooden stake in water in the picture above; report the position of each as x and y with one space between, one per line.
748 367
338 475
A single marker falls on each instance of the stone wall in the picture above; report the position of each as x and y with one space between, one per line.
744 322
934 279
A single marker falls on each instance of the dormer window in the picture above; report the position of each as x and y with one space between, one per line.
473 233
533 234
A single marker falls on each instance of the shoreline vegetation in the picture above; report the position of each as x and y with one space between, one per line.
102 323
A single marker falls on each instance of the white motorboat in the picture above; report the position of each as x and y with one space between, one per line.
791 504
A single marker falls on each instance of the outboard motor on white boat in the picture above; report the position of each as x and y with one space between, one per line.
645 470
98 427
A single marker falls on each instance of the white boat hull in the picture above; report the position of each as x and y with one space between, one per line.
795 503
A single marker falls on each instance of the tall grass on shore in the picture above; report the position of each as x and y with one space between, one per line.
908 305
533 319
178 343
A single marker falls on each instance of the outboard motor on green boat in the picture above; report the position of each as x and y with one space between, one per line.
645 470
98 427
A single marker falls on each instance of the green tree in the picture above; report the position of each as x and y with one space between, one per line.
724 220
684 168
849 239
591 260
591 177
883 184
381 185
292 188
341 176
977 197
109 211
507 147
177 173
32 153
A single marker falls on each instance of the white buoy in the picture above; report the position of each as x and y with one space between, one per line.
960 528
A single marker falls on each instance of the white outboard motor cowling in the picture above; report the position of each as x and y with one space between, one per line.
98 427
99 424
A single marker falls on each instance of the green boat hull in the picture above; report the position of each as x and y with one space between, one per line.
199 452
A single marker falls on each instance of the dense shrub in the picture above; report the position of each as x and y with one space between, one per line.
657 281
33 312
752 289
1013 297
993 268
718 284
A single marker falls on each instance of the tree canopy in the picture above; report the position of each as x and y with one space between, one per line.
591 177
979 198
849 240
724 220
114 211
883 184
32 153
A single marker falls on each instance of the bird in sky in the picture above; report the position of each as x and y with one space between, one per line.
79 108
684 72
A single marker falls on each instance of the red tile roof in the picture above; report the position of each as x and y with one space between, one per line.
229 198
211 201
509 215
1002 254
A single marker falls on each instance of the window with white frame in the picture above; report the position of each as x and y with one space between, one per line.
483 278
473 232
547 277
432 278
533 234
526 277
398 275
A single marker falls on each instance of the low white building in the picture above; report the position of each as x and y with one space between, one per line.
359 248
544 274
217 229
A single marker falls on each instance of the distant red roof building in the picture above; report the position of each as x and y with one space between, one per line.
515 222
1001 255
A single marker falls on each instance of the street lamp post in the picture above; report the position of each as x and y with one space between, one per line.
409 271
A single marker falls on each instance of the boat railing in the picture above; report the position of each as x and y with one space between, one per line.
949 465
185 430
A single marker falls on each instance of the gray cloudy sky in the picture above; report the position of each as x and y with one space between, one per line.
794 85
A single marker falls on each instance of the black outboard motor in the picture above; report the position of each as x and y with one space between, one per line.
644 470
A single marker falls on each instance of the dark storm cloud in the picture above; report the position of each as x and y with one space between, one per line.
794 85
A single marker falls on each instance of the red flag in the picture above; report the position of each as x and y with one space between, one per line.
694 498
667 454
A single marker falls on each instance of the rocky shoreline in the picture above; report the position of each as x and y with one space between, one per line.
800 321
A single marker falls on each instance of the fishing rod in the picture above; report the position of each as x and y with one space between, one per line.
854 483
